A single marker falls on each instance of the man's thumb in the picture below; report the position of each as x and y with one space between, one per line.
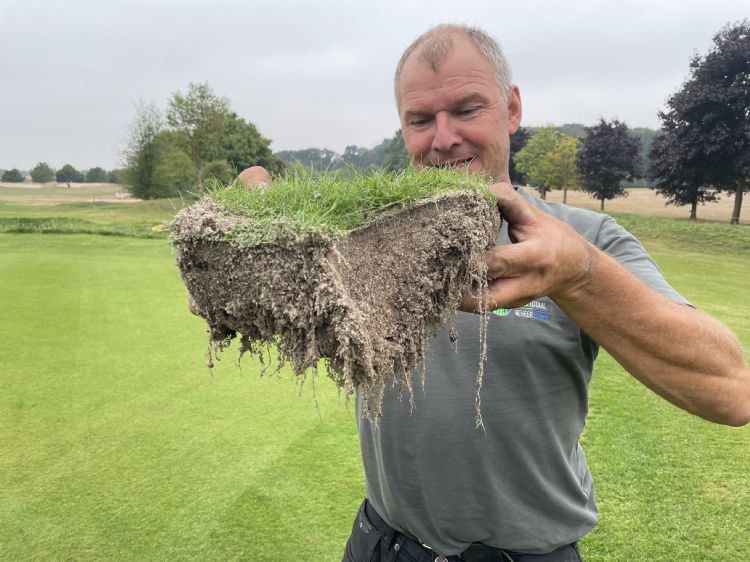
257 176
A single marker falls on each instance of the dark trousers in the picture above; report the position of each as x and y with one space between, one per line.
373 540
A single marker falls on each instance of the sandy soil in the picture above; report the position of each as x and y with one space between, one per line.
367 303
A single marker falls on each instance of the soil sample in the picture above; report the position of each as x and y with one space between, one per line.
367 303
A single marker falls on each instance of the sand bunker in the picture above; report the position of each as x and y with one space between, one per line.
367 304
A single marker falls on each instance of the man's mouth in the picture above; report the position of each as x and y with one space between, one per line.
455 163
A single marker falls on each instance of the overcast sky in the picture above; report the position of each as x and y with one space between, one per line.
319 73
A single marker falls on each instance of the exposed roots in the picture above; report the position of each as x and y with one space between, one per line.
368 304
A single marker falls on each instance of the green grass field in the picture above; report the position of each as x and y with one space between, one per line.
117 443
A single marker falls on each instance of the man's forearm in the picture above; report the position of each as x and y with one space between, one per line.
688 358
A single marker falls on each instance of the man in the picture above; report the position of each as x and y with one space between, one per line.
439 489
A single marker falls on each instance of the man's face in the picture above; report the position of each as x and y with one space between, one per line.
457 115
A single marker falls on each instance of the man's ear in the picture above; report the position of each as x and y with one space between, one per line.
514 110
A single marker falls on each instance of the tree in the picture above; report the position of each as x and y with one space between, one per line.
396 157
540 165
560 164
548 161
708 118
13 176
174 173
646 137
96 175
575 130
316 158
607 155
68 174
42 173
220 170
116 176
518 140
143 151
677 177
200 116
242 146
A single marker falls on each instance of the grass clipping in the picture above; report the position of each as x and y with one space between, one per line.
358 271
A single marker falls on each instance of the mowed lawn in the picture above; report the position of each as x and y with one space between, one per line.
117 443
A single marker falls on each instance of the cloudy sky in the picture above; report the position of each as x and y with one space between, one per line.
319 73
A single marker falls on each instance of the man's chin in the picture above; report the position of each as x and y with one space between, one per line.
475 166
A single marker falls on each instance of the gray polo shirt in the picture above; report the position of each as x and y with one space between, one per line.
523 484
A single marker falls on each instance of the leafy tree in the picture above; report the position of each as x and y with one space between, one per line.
220 170
42 173
678 177
376 155
607 155
316 158
68 174
116 176
242 146
390 153
548 161
518 140
575 130
708 121
396 157
355 156
532 159
646 137
96 175
143 152
13 176
200 116
560 164
361 158
174 173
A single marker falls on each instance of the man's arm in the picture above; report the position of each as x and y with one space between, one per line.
686 357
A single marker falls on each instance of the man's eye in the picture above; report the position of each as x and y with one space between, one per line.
419 122
467 110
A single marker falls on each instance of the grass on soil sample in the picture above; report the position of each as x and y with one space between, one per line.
356 270
303 203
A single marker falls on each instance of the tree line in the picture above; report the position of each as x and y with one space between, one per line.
701 151
43 173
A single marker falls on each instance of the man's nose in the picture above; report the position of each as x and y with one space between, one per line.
446 136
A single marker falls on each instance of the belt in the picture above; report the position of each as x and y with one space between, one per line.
476 552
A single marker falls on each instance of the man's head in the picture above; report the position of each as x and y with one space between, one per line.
456 102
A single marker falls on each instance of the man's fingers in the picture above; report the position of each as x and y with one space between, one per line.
505 292
257 176
192 307
513 207
507 260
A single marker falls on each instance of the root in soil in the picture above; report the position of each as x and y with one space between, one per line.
366 301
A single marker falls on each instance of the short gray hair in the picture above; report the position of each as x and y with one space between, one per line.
437 42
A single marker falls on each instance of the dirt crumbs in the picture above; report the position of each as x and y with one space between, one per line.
367 304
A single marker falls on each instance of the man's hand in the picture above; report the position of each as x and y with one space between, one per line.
547 257
681 354
255 177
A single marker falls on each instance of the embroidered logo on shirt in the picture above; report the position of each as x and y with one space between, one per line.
535 309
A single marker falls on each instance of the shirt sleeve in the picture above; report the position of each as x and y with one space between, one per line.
627 250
